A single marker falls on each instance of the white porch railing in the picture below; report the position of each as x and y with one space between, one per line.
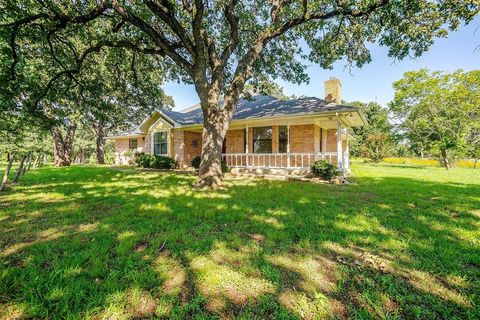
277 160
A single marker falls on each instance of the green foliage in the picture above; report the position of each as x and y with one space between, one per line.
154 161
102 243
324 169
224 166
196 162
162 162
142 160
269 40
375 140
438 112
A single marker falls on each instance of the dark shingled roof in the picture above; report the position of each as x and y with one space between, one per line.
264 106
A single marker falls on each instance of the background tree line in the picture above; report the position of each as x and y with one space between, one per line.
72 119
433 114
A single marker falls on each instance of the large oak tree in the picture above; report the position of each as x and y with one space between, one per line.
219 45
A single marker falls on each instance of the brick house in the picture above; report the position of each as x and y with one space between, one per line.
265 133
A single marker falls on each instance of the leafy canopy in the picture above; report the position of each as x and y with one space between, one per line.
375 139
439 109
218 45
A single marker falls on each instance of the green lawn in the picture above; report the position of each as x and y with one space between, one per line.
91 242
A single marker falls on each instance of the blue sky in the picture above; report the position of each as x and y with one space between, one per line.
373 82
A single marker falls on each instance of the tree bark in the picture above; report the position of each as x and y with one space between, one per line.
36 163
475 161
445 161
99 131
216 121
26 164
20 169
4 183
63 145
214 132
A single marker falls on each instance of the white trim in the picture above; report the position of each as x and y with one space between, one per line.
162 121
129 136
339 147
283 117
246 143
151 143
167 131
144 122
276 160
288 145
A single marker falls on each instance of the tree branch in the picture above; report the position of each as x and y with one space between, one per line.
156 36
168 16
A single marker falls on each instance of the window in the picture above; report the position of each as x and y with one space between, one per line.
132 143
160 143
282 139
262 140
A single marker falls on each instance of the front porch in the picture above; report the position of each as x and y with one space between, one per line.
290 147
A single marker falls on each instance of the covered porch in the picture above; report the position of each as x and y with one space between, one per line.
289 144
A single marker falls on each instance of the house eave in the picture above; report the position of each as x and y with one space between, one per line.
126 136
280 117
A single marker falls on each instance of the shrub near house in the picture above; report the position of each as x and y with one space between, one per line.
324 170
154 161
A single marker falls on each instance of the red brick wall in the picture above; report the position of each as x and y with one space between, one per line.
275 140
302 138
178 146
250 140
147 148
193 146
235 142
332 141
186 145
122 145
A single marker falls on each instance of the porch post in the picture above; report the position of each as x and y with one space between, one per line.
339 146
288 146
246 144
347 155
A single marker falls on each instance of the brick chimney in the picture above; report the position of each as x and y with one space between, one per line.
333 90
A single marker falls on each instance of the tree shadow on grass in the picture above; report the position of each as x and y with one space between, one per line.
94 242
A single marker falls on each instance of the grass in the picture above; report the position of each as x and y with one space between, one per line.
97 243
462 163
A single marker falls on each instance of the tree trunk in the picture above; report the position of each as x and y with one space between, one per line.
31 162
63 146
10 157
20 169
36 163
215 128
27 164
475 161
99 131
445 161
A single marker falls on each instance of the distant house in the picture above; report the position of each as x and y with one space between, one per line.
265 133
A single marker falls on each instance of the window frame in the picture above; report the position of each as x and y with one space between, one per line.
254 140
130 146
160 142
